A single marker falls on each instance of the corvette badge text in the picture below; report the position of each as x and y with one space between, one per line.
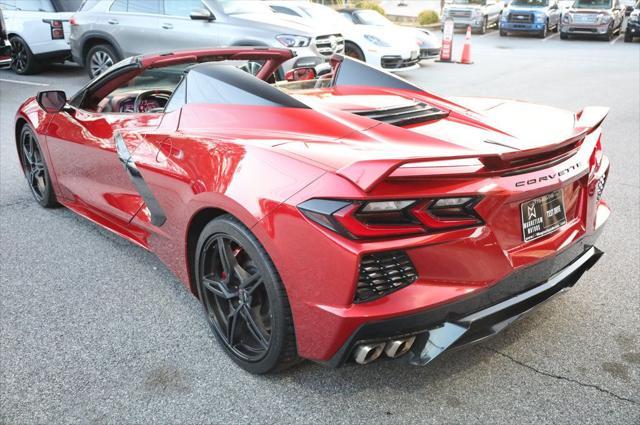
548 177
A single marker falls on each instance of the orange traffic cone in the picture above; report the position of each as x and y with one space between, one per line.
466 50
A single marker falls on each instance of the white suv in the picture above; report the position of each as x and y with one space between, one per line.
38 31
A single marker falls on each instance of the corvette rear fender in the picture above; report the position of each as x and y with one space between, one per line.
367 174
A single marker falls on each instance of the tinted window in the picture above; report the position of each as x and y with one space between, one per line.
119 6
68 5
181 7
145 6
226 84
28 5
88 4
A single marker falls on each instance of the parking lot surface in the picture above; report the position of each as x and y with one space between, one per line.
95 330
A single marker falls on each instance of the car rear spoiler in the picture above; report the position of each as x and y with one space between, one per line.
367 174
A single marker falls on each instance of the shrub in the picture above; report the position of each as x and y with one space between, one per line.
427 17
370 5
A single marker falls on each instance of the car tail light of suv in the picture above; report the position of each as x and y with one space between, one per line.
57 30
392 218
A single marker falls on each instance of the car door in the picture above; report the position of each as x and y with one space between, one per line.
178 31
134 23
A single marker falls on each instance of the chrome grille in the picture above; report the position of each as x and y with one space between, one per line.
460 13
383 273
521 18
585 18
326 45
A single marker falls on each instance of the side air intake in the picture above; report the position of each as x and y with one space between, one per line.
416 113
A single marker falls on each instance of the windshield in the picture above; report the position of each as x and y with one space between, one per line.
592 4
231 7
530 3
371 17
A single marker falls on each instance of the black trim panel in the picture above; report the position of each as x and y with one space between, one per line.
158 216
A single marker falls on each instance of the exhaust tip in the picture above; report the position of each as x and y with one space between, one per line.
398 347
367 353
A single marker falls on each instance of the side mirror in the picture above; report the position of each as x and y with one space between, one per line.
628 10
201 15
300 74
52 101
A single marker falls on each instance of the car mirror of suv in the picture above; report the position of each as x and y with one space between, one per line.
202 15
52 101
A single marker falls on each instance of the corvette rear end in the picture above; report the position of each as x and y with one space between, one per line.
422 252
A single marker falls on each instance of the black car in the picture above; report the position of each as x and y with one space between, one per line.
633 24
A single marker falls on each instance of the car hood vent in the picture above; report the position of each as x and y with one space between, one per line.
415 113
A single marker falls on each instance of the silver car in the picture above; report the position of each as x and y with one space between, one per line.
106 31
601 18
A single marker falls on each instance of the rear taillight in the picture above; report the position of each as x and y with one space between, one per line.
392 218
57 31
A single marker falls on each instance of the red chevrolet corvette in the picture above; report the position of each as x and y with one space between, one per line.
344 218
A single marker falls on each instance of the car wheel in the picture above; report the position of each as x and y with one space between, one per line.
243 297
35 168
503 33
564 36
353 51
628 38
22 60
99 59
544 31
485 24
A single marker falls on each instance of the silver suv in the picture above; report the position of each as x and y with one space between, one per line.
106 31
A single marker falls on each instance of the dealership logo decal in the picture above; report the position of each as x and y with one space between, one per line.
548 177
531 209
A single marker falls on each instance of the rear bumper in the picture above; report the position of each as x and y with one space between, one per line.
481 315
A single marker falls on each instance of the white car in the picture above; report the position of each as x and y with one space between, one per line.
38 31
392 51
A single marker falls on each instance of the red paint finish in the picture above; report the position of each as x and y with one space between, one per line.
259 162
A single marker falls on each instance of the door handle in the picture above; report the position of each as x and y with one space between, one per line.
113 22
167 26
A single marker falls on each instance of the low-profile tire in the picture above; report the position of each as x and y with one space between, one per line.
35 168
243 298
23 61
352 50
99 58
564 36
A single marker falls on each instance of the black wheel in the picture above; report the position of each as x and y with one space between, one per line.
243 298
485 25
353 51
544 31
628 38
22 60
35 169
503 33
99 59
564 36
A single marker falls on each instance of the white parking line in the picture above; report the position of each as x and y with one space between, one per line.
28 83
554 35
615 39
486 34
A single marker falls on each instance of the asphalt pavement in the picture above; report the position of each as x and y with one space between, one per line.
95 330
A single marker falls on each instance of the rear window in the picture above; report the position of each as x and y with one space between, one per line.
27 5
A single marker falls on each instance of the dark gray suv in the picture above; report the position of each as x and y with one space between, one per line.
106 31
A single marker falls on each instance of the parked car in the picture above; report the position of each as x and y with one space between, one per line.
600 18
367 43
633 24
106 31
428 44
355 218
478 14
38 31
5 47
530 16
